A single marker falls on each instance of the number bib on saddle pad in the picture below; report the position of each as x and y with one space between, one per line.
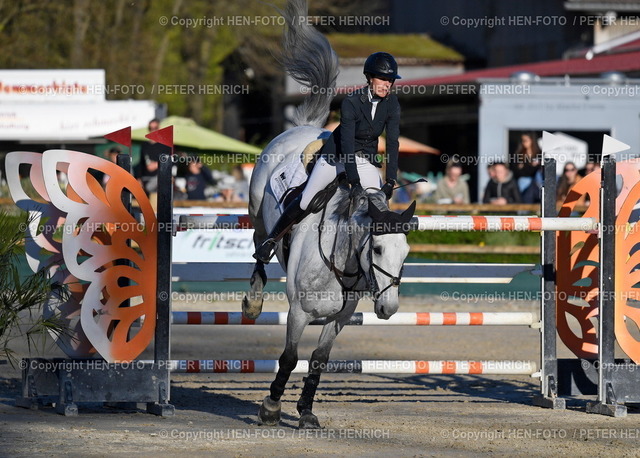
285 177
289 175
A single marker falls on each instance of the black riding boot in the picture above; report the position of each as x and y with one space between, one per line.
291 215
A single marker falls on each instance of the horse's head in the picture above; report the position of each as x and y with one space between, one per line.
383 251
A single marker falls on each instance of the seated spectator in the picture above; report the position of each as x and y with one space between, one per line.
241 183
452 189
501 189
403 193
227 191
568 179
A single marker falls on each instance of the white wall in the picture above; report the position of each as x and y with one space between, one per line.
555 105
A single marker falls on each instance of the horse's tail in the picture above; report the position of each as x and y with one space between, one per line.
309 59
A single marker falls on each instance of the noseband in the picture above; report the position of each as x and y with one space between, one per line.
341 275
374 288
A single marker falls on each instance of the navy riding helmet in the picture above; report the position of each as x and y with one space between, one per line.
381 64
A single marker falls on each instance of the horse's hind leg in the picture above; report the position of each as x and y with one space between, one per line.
269 413
253 300
318 362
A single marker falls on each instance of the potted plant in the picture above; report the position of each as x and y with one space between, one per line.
21 296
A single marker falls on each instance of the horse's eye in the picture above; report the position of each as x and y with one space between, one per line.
377 250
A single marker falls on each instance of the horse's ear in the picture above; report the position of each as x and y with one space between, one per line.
374 211
408 213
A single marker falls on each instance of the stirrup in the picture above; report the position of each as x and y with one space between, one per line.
265 256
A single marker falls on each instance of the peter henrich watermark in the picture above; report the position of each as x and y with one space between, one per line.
562 296
130 90
273 20
473 161
435 90
271 433
540 434
490 22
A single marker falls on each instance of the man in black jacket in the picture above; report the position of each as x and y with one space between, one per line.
353 146
502 188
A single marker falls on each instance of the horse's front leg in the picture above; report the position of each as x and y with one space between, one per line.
297 320
253 300
318 362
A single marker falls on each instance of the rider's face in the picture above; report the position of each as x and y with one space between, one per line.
381 86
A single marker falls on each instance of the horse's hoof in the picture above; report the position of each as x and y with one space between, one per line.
269 413
309 421
252 307
253 300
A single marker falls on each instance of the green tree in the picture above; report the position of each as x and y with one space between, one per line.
147 43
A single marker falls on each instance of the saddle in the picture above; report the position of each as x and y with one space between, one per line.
310 154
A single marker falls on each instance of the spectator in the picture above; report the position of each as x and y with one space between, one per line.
148 166
403 194
227 194
591 166
491 171
501 189
241 184
197 176
452 189
112 155
526 167
568 179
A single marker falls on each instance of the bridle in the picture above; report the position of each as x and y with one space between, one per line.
374 288
341 275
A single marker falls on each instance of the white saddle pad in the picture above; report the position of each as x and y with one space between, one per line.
286 176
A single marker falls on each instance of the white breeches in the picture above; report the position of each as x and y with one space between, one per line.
324 173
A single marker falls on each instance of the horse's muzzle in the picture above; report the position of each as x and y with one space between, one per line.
385 310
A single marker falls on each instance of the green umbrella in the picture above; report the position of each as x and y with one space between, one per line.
188 134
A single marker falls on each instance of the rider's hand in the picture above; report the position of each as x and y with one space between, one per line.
388 188
356 190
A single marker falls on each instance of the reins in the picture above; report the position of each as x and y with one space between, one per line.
330 262
341 274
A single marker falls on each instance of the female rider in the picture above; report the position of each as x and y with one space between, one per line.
353 146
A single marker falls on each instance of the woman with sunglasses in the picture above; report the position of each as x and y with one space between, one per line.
568 179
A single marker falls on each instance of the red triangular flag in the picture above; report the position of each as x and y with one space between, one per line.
122 136
164 136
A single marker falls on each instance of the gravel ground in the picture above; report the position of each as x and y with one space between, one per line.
372 415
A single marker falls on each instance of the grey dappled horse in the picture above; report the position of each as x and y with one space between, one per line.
364 260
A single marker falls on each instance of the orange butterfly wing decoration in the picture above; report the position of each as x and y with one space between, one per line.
578 261
627 266
96 255
43 249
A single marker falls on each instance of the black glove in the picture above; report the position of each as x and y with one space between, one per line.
387 188
356 190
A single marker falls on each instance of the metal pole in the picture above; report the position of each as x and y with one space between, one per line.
548 351
162 352
607 400
162 344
